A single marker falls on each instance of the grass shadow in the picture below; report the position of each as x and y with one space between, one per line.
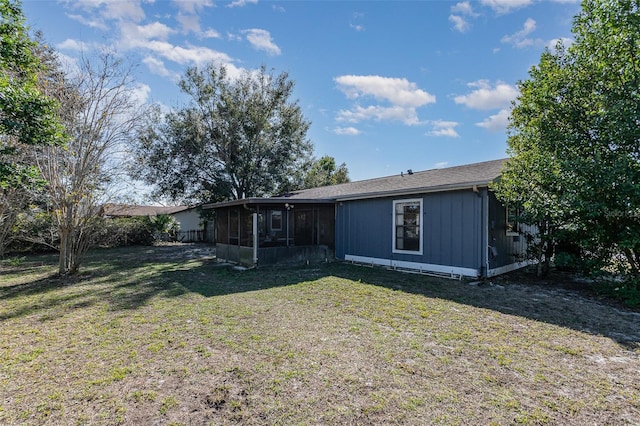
128 278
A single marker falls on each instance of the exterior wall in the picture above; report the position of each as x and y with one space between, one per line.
504 249
191 228
452 231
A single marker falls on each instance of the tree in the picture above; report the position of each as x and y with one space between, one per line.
323 172
27 115
238 137
101 114
575 136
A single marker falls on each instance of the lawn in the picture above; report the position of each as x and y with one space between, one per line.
165 335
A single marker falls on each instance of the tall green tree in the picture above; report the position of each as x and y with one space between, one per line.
574 136
323 172
27 115
238 137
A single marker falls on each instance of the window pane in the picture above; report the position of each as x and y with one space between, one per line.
276 220
407 229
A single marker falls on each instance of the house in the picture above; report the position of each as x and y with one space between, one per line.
190 225
444 221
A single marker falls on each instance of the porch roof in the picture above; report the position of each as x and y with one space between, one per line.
254 201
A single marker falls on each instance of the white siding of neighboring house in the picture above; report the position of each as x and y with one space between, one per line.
189 220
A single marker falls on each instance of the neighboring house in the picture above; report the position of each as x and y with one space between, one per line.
188 218
444 221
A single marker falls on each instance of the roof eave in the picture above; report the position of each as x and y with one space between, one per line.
413 191
271 201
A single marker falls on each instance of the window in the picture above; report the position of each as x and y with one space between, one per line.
407 231
276 220
511 217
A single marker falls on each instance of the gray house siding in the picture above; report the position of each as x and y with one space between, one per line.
505 249
451 224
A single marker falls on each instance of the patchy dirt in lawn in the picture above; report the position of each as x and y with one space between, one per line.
565 301
168 336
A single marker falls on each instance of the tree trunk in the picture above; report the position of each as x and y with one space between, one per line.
64 250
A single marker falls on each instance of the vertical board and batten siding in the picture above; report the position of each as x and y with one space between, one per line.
451 224
510 249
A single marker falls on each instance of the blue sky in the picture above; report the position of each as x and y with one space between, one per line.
388 86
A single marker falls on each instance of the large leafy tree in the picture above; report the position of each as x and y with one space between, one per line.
27 115
323 172
238 137
575 136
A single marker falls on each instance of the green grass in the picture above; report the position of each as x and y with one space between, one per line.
165 336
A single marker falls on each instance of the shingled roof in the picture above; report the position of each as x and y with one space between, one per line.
447 179
123 210
425 181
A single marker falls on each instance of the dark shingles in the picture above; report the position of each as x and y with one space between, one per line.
425 181
123 210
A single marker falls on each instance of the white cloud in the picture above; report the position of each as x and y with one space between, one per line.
261 40
403 95
441 164
459 23
485 97
460 12
136 33
502 7
75 45
349 131
68 63
189 23
210 33
398 91
188 16
519 39
566 42
130 10
444 128
192 6
89 22
407 115
464 8
186 55
355 22
496 122
241 3
158 67
141 93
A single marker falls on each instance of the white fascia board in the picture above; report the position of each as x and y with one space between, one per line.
415 266
508 268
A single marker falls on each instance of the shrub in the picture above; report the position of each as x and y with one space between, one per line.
125 231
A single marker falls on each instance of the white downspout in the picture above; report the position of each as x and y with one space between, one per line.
255 238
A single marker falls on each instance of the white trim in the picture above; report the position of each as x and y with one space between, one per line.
271 220
414 266
509 233
420 226
508 268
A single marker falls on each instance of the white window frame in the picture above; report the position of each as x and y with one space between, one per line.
511 229
420 226
271 215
